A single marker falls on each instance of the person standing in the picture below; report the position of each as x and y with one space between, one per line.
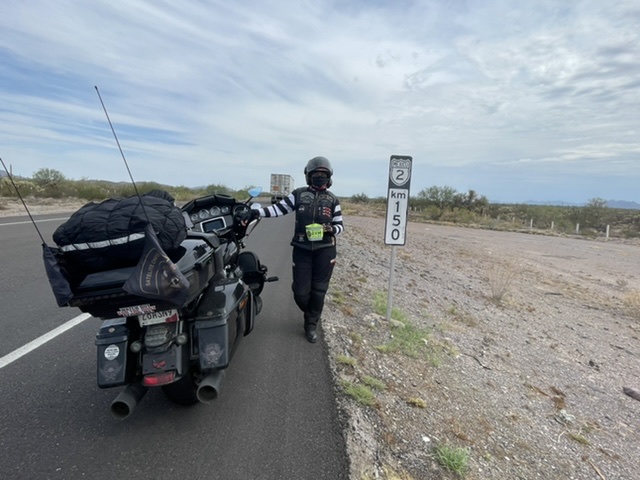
314 252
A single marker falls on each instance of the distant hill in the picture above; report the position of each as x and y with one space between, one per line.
623 204
610 204
555 203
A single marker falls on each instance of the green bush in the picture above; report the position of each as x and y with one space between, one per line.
360 198
360 393
430 204
453 459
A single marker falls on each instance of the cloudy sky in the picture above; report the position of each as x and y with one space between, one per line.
535 100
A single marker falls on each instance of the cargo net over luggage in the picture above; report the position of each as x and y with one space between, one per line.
110 234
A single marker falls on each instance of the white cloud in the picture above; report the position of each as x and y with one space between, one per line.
225 92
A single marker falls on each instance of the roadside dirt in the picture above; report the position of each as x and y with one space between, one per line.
528 343
38 206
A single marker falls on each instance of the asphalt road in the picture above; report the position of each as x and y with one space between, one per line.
276 416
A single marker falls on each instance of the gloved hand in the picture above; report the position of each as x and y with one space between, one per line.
254 214
248 216
327 227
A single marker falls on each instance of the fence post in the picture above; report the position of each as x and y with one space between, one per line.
531 224
608 232
552 224
577 228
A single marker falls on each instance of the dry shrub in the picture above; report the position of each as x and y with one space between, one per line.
632 302
501 278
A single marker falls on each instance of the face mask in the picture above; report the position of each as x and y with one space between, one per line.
319 182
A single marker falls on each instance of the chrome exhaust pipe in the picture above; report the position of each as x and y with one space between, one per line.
209 387
127 400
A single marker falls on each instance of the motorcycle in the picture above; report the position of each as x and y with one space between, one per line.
183 349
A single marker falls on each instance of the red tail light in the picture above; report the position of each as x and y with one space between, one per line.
157 379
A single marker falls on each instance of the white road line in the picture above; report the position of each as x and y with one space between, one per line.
38 342
37 221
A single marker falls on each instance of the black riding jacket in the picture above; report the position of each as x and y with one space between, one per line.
311 206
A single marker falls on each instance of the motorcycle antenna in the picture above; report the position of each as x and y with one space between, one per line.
22 200
135 187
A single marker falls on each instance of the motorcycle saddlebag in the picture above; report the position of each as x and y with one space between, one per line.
217 323
115 365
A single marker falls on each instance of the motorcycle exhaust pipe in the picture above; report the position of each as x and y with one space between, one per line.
209 387
127 400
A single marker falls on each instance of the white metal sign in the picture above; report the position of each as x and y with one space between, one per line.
397 200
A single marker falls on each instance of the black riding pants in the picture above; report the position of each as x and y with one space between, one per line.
312 271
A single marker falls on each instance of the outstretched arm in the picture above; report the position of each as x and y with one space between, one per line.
284 206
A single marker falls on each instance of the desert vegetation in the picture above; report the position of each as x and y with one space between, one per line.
446 205
431 204
50 183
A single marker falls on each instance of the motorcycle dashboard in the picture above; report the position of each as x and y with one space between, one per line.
213 212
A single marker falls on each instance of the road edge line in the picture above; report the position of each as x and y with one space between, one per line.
38 342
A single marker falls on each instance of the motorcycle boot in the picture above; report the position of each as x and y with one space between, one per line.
310 325
311 336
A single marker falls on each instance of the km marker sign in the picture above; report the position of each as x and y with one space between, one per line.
397 211
398 200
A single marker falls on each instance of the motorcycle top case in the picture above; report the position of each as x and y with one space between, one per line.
101 293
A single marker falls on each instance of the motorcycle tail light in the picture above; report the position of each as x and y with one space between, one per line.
157 379
157 335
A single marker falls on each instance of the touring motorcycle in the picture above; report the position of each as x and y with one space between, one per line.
148 339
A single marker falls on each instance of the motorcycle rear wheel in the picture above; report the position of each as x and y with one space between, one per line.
182 392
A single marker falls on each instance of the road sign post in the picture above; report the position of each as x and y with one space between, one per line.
395 231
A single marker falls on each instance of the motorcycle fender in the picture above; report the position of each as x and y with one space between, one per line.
250 313
252 271
176 357
115 363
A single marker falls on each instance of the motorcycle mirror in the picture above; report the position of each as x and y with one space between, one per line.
255 191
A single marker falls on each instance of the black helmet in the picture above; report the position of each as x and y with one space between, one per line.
318 163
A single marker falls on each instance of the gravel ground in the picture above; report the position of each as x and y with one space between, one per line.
528 343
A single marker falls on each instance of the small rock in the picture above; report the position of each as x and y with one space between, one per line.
631 392
564 417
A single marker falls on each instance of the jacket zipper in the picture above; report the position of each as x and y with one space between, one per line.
315 210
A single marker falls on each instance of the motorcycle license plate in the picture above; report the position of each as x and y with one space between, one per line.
163 316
